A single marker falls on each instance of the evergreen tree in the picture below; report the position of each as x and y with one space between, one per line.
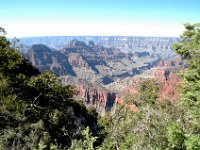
36 110
144 129
189 49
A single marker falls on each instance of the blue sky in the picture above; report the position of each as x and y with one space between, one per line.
22 18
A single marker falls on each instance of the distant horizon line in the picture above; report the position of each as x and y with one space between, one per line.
43 36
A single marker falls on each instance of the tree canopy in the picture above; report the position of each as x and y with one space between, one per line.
189 49
36 110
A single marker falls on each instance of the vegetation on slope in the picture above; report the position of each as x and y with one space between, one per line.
37 112
161 124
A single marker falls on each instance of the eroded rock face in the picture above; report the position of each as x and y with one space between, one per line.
102 100
96 64
167 80
91 63
40 55
165 76
168 85
46 59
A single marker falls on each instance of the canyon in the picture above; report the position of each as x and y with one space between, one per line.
105 69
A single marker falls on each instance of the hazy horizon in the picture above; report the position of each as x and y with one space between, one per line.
46 36
154 18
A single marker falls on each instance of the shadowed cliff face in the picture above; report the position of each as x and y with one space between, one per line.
40 55
91 63
46 59
111 70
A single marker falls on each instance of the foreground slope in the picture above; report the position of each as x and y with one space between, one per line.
36 110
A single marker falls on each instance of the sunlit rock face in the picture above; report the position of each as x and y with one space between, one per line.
101 99
111 72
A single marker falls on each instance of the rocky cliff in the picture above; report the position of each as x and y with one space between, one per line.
168 80
45 59
101 99
90 63
104 75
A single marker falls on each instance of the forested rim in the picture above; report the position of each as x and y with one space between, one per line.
38 112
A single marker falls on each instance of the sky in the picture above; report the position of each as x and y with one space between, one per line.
163 18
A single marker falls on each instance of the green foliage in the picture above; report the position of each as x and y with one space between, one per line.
133 99
146 95
145 129
175 136
37 111
148 90
192 142
89 140
129 130
184 134
189 49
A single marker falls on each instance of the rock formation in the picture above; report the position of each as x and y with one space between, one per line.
101 99
90 63
110 72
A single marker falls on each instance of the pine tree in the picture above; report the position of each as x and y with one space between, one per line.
36 110
189 49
